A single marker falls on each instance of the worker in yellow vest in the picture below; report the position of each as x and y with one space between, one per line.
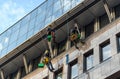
47 60
74 35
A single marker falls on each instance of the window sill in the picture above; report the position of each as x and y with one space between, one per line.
86 71
106 60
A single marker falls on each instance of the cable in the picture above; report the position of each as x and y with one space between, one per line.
67 28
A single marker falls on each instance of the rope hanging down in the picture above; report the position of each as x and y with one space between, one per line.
41 65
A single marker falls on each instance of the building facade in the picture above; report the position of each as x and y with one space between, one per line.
22 45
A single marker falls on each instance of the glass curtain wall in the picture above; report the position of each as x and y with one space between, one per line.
32 23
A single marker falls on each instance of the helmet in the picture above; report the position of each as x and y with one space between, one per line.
48 29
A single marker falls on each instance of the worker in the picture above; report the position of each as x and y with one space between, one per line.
51 41
47 60
74 36
50 35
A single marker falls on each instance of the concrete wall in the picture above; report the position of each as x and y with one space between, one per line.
100 70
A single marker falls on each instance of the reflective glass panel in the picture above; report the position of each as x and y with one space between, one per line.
38 19
88 60
74 71
106 52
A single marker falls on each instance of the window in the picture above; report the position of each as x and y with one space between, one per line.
61 47
13 75
117 11
118 43
35 63
103 20
23 73
46 77
88 60
73 67
105 51
89 29
58 74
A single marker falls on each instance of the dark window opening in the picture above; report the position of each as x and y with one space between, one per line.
117 11
35 63
46 77
89 29
23 73
61 47
58 74
104 20
13 75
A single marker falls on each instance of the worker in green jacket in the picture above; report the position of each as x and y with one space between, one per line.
50 35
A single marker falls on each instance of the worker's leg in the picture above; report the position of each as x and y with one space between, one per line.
54 47
49 67
75 43
50 47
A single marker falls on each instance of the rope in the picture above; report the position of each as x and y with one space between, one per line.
77 28
67 28
49 56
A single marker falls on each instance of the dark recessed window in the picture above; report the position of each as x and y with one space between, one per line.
104 20
58 74
35 63
88 60
23 73
13 75
61 47
105 51
73 70
89 29
46 77
117 11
